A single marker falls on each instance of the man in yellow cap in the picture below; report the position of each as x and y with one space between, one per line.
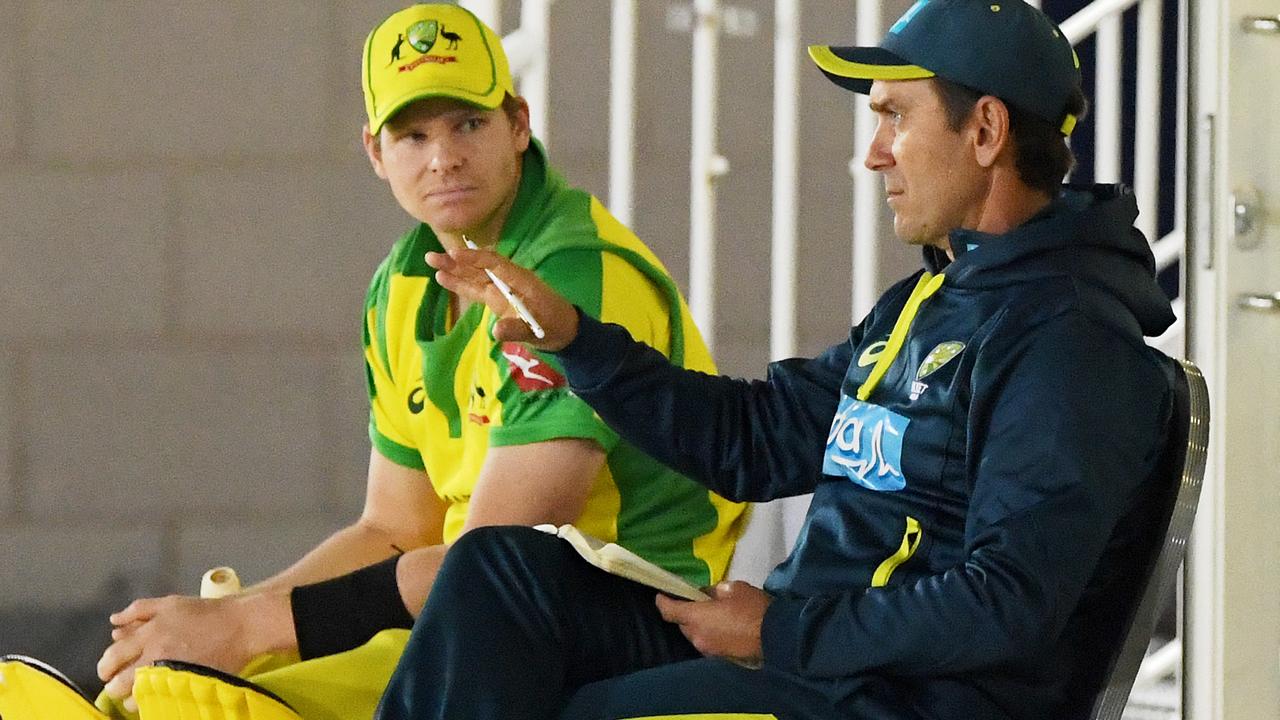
466 431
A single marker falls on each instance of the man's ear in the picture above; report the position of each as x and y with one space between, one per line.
373 148
990 124
520 125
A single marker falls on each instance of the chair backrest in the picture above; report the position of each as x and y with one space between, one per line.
1185 463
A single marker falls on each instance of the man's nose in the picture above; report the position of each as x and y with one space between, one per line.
878 156
444 157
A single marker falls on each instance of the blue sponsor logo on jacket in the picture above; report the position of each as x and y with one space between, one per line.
865 445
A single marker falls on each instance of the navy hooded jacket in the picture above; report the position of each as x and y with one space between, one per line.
971 512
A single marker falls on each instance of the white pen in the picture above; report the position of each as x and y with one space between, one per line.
516 303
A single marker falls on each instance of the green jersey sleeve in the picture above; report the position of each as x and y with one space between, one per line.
537 404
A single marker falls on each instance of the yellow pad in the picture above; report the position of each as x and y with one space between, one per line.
335 687
341 686
169 693
31 690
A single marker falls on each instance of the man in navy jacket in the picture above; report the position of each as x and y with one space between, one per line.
979 449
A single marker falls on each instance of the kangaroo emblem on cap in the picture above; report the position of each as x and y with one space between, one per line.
452 37
395 51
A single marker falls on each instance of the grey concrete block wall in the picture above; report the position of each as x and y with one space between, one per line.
256 549
85 252
275 249
9 98
63 566
346 434
187 227
178 81
157 433
8 435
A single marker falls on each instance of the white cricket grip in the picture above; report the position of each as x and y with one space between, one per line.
219 583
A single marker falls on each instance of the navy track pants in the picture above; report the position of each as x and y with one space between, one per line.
518 627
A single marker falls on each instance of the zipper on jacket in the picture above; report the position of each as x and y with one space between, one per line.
926 286
910 543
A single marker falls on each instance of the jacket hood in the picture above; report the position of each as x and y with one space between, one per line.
1087 235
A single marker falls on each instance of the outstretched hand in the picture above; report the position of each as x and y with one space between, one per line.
462 271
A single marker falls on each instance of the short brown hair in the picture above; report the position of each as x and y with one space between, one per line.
511 106
1041 153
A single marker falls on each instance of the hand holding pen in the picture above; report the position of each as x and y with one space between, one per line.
511 297
528 309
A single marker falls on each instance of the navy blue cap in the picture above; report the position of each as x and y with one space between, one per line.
1004 48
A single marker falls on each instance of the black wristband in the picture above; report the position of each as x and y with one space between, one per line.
344 613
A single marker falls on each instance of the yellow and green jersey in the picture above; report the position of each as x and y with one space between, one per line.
442 391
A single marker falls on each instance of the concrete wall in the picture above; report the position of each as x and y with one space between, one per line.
186 230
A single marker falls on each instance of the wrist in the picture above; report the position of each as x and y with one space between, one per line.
574 324
266 619
571 345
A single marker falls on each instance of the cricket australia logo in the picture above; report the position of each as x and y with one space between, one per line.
937 357
865 445
422 35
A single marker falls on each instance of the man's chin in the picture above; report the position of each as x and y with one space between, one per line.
446 224
916 236
910 236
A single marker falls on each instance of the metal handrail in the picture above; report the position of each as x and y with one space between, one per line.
1169 249
1085 21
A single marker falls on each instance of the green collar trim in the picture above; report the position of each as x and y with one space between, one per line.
538 183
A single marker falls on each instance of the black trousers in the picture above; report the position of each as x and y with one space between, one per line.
519 627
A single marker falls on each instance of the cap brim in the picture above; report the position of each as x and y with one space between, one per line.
491 102
855 68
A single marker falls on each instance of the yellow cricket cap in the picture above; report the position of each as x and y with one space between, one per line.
428 51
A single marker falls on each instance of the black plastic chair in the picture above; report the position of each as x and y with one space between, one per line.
1184 463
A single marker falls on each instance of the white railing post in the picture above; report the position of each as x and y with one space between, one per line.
1108 71
622 110
535 20
1146 161
1180 197
705 167
489 12
867 188
786 139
